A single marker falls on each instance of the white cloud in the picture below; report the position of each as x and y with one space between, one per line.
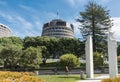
77 30
24 23
6 16
104 1
22 27
76 3
16 19
76 25
72 2
39 26
29 9
116 27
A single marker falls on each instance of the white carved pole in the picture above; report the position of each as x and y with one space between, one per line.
112 55
89 57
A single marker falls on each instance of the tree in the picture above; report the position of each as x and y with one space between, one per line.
55 47
31 58
71 45
6 41
29 41
45 54
96 21
16 41
10 56
69 60
98 59
118 50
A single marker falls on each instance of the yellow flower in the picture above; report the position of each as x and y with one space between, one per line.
7 76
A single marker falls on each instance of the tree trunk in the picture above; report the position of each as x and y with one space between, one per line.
93 34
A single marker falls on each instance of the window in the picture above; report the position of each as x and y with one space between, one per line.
61 23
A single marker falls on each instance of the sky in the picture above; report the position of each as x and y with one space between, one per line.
26 17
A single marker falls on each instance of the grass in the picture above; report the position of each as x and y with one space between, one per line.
60 78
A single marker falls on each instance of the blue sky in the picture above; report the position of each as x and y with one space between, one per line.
26 17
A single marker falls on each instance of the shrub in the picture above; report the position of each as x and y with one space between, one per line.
98 59
18 77
50 64
118 58
116 79
69 60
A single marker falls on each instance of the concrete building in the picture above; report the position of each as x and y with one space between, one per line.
5 31
58 28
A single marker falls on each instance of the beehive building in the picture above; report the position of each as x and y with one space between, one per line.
58 28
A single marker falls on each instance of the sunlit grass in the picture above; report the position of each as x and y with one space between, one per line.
60 78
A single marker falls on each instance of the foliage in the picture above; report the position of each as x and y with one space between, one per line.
60 78
45 53
118 50
50 64
116 79
98 59
96 21
49 47
29 41
16 41
118 58
18 77
10 55
31 57
69 60
55 47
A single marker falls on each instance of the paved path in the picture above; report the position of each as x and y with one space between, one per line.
96 79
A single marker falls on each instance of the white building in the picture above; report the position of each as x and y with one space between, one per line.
58 28
5 31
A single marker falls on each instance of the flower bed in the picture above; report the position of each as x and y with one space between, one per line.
7 76
117 79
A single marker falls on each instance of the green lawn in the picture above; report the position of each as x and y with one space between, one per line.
60 78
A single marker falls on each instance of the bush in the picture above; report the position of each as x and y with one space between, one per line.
116 79
50 64
118 58
18 77
69 60
98 59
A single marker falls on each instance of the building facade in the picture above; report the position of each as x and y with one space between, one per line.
5 31
58 28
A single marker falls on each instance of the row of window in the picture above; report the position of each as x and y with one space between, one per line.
55 23
2 26
67 36
55 34
58 31
58 28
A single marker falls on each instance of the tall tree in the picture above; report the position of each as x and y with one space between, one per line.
95 20
31 58
10 55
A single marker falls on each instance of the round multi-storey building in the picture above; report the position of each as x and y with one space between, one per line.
5 31
58 28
